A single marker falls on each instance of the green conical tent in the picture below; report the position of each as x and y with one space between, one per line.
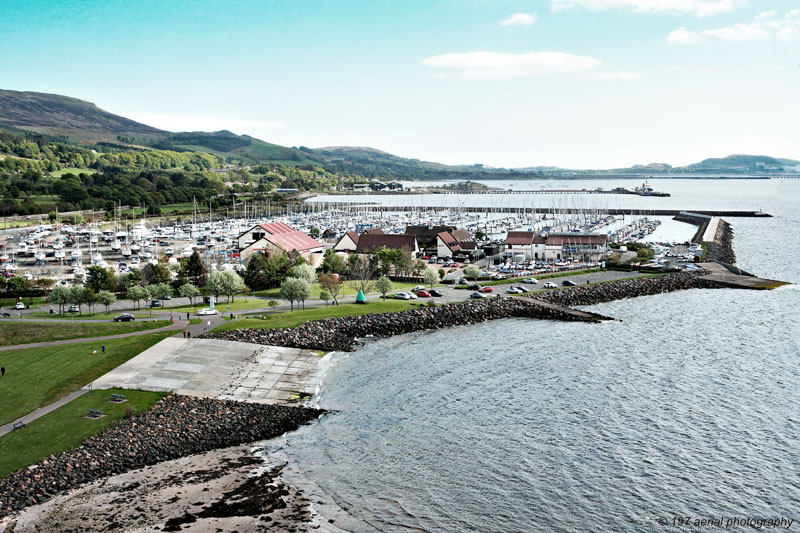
360 298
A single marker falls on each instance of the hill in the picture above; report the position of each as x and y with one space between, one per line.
62 116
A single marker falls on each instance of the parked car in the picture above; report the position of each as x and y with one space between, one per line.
20 305
568 283
167 297
207 311
73 309
513 290
550 285
156 303
521 289
423 294
402 296
124 317
477 296
435 293
530 280
474 287
463 281
418 288
486 289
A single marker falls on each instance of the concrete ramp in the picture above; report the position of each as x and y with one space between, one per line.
210 368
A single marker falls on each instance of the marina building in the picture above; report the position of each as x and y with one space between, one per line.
556 246
264 238
371 242
349 241
455 244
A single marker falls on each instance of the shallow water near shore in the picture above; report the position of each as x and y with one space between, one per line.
686 406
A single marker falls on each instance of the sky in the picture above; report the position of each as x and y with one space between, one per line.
569 83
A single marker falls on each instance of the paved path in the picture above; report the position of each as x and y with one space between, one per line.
178 326
30 417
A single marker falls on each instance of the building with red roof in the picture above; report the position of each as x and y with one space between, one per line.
265 238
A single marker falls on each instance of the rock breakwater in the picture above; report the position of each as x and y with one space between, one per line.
721 248
342 334
618 290
177 426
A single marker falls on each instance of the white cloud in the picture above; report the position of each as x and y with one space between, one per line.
622 75
492 65
200 123
519 19
766 25
701 8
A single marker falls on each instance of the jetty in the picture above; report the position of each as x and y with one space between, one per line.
728 276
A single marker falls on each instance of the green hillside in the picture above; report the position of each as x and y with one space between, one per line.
61 116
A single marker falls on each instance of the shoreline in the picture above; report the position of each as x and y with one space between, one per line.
343 334
177 426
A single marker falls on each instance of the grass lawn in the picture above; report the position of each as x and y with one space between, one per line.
76 171
29 332
291 319
346 291
38 376
222 306
31 303
8 224
65 428
139 314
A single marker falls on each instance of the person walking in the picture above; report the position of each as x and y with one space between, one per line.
188 334
103 347
184 334
2 371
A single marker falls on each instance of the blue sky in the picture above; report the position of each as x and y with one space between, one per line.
573 83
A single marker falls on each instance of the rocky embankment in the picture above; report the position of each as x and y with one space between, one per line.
618 290
721 248
177 426
342 334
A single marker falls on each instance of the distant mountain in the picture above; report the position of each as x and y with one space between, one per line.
79 121
745 163
62 116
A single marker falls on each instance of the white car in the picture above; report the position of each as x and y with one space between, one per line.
513 290
19 305
207 311
402 296
521 289
530 280
550 285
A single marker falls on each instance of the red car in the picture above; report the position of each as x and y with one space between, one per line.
486 289
423 294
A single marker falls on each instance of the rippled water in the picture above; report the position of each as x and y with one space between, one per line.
689 405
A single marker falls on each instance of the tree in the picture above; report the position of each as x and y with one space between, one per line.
98 278
332 284
89 298
431 277
106 298
188 290
325 296
255 273
405 263
315 232
295 290
361 273
480 235
77 296
195 269
137 293
383 285
472 272
272 304
305 272
332 263
161 290
386 259
59 295
17 285
233 284
154 274
216 284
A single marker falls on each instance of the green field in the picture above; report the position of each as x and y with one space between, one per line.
295 318
346 291
38 376
240 304
76 171
29 332
32 303
10 224
65 428
139 314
